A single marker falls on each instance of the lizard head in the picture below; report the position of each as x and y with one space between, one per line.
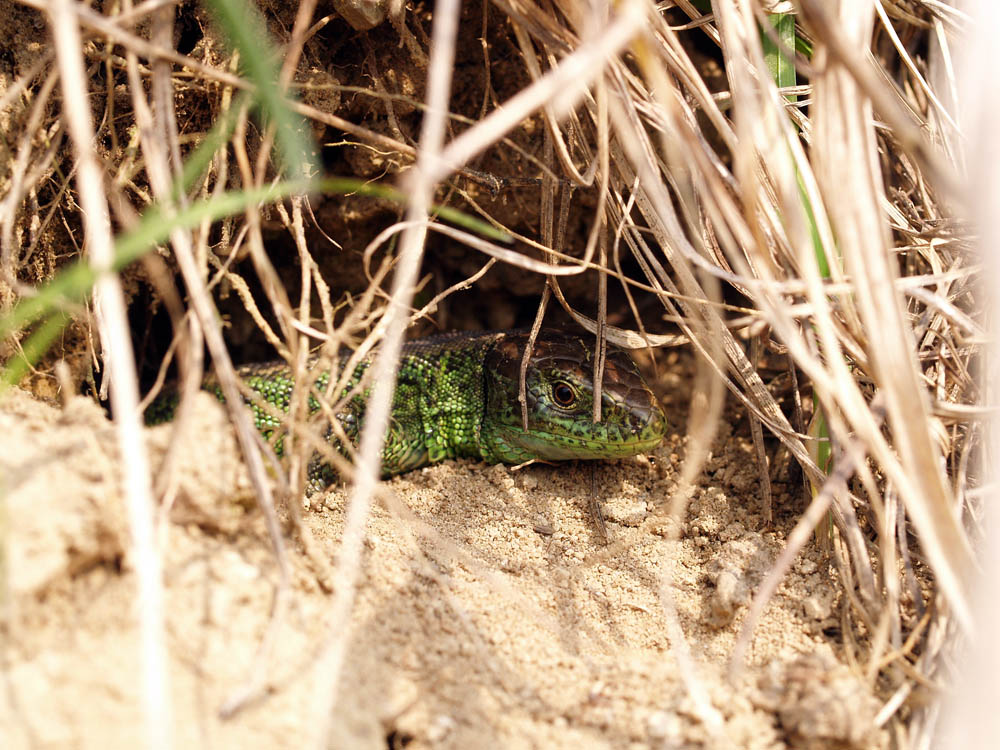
559 386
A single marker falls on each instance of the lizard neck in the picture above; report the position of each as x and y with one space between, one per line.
439 404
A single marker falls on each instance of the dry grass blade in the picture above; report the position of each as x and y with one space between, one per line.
968 713
771 183
395 322
843 127
117 346
562 87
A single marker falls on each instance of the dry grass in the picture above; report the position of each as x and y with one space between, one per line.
832 213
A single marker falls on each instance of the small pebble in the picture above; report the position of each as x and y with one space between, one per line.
441 726
807 567
544 527
662 725
816 608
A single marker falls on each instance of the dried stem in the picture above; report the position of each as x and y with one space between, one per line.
120 360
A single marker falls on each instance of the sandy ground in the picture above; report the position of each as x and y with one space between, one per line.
484 620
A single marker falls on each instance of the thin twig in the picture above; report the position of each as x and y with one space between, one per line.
439 74
117 345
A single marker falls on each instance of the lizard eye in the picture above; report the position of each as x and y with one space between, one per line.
563 394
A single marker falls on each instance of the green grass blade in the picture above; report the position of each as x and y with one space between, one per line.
245 29
781 67
447 213
32 350
73 283
817 243
804 47
783 72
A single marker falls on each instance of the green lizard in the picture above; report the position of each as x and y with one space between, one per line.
457 396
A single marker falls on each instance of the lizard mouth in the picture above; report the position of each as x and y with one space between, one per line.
556 446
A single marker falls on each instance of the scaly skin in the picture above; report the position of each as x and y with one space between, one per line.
456 396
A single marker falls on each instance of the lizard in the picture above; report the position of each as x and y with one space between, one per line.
457 396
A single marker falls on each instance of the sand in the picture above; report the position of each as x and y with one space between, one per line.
485 616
